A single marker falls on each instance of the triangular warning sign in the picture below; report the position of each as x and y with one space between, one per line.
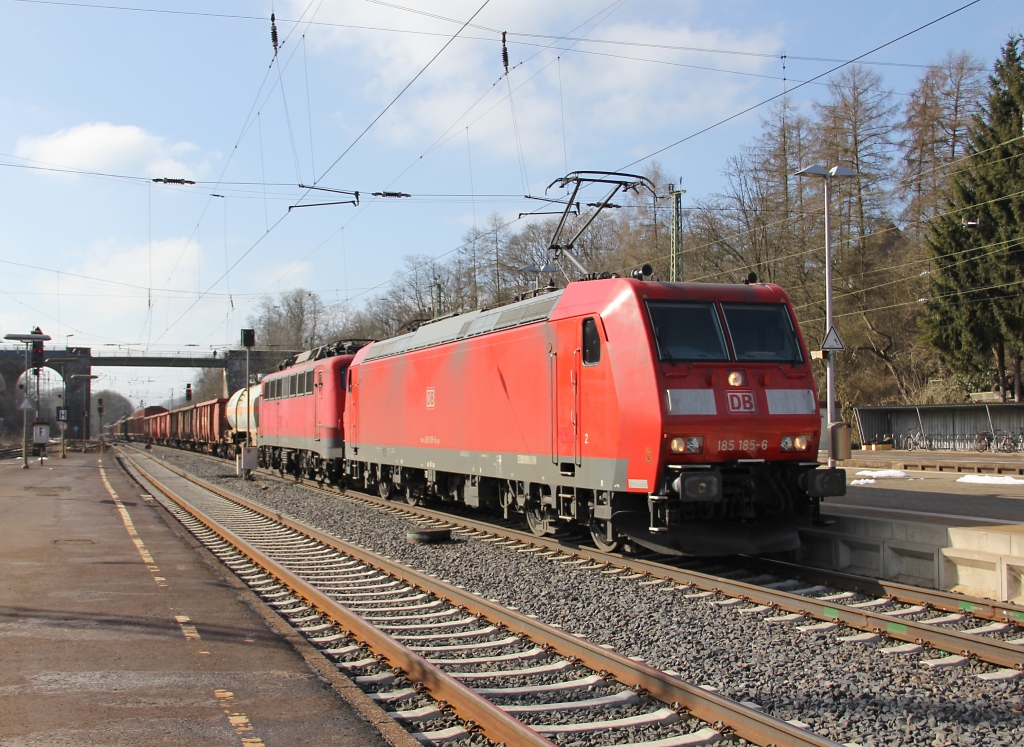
26 405
832 341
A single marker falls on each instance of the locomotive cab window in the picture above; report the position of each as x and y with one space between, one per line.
762 332
309 382
687 331
591 342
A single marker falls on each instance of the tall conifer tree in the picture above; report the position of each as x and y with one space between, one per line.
977 244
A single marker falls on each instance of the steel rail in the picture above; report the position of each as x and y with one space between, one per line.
493 722
992 651
986 609
747 723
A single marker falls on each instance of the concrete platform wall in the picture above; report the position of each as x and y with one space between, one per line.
981 561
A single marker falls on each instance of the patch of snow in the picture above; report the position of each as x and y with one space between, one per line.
991 479
865 481
896 473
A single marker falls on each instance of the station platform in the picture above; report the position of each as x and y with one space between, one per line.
117 629
911 517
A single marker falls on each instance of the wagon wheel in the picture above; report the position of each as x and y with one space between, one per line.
384 488
599 536
413 496
536 520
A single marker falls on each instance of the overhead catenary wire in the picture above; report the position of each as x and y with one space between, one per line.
347 150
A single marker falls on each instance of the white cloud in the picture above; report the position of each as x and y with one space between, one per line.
106 147
616 103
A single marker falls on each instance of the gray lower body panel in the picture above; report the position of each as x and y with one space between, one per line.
328 448
591 474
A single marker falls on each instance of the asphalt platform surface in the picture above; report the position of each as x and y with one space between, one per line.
115 630
931 492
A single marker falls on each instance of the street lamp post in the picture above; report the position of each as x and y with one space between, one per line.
831 345
28 339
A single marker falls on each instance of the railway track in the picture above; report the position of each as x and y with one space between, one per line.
443 659
945 628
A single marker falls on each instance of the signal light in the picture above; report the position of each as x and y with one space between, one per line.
38 358
188 392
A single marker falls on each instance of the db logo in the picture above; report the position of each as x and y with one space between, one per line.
741 401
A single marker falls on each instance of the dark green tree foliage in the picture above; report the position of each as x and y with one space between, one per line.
977 244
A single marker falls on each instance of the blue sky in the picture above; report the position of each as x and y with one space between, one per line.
98 100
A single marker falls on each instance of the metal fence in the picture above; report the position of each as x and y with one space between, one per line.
946 427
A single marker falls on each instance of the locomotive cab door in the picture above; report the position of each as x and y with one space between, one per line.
565 397
318 409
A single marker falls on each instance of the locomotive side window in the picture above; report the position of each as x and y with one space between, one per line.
761 332
341 377
591 342
687 331
309 382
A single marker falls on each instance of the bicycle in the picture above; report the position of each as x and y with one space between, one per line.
983 441
917 441
1008 442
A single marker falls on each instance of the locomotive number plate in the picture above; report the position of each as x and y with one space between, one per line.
746 445
741 401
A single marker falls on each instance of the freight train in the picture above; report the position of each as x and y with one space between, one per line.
680 417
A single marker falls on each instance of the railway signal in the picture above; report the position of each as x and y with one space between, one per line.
188 392
38 357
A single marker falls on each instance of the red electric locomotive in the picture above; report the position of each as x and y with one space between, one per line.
299 429
681 416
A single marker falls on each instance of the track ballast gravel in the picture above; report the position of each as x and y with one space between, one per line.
848 692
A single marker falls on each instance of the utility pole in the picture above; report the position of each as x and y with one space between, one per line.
249 460
675 254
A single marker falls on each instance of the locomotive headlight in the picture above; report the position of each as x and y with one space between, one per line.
687 445
736 378
795 443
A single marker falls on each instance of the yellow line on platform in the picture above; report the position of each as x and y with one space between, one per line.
239 721
134 535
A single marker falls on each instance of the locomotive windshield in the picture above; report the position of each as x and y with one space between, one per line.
687 331
761 332
693 332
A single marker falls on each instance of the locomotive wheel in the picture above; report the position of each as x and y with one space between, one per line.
413 496
384 489
599 536
536 520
